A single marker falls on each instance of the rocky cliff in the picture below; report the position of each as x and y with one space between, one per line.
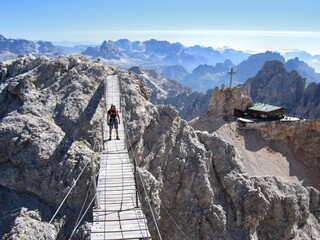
220 110
163 91
201 181
273 84
303 69
50 121
302 139
190 105
161 88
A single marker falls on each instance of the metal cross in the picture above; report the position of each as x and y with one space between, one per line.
231 73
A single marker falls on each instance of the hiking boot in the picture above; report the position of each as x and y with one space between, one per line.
109 139
118 138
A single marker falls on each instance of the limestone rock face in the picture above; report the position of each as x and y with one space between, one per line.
190 105
224 101
28 225
199 179
309 105
163 91
161 88
221 108
50 128
303 140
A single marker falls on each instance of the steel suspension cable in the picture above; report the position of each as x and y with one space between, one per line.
143 185
84 203
82 216
134 157
65 198
174 221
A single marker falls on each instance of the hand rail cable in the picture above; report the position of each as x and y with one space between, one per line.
137 217
148 201
143 184
83 205
83 215
122 173
174 221
128 141
65 198
130 146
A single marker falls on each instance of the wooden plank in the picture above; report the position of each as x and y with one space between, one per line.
107 189
109 184
114 207
116 179
114 198
114 183
106 156
121 216
120 176
118 193
118 226
116 164
136 223
120 235
119 188
117 170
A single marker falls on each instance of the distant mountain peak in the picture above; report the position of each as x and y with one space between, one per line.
108 50
2 38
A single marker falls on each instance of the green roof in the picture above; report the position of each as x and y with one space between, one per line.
262 107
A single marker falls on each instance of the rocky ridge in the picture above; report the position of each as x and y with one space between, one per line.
201 181
220 110
52 111
161 88
50 128
163 91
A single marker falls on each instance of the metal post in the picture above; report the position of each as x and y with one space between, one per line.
135 182
104 128
93 179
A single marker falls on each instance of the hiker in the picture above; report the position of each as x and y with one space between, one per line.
113 122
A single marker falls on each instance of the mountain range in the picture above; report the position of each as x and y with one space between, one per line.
22 46
207 76
275 85
154 53
197 67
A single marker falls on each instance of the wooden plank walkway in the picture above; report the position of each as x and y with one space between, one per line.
117 216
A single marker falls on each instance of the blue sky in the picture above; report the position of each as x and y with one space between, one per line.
240 24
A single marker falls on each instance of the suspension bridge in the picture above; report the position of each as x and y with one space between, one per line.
117 214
